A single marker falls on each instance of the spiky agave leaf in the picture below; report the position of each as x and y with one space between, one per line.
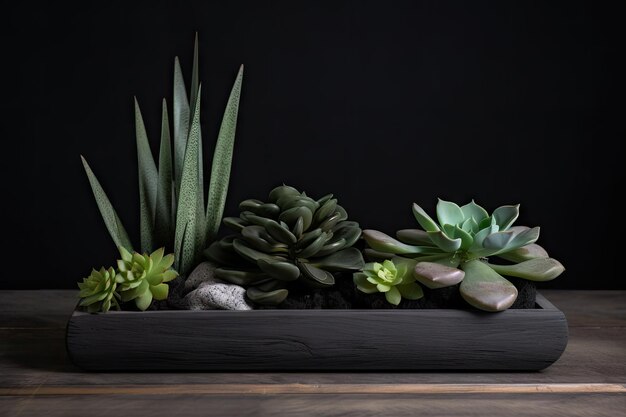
109 215
163 226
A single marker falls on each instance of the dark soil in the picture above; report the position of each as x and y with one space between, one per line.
344 295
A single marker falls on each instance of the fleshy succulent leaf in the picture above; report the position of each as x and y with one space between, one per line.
181 122
163 227
530 251
538 269
485 289
384 243
436 275
424 220
472 210
444 242
414 237
449 213
505 216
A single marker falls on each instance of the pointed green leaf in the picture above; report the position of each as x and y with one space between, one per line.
539 269
195 78
363 285
148 181
485 289
163 226
473 211
108 213
427 223
181 123
444 242
505 216
222 160
188 239
449 213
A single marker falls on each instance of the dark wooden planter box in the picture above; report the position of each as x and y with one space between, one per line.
429 339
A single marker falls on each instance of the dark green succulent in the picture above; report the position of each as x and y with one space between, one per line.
291 239
97 291
143 278
456 250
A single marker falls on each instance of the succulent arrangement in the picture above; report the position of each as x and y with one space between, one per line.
139 278
290 239
457 249
173 211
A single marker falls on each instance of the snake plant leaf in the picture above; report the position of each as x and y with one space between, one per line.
187 217
348 259
238 277
222 161
485 289
424 220
538 269
472 210
436 275
505 216
108 213
283 271
382 242
195 79
181 122
163 226
446 244
160 291
317 277
148 182
266 297
449 213
531 251
414 237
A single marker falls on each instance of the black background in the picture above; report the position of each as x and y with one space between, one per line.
382 103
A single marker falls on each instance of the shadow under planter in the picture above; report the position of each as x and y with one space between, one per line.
336 340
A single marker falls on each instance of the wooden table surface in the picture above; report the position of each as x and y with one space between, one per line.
37 379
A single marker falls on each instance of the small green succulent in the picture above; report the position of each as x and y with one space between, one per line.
142 277
395 282
97 291
292 239
457 247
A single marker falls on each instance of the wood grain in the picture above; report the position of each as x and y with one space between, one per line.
318 340
33 359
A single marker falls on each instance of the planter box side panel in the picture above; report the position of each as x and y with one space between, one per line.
318 340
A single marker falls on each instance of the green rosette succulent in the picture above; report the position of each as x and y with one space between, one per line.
395 282
290 240
143 278
97 291
458 248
